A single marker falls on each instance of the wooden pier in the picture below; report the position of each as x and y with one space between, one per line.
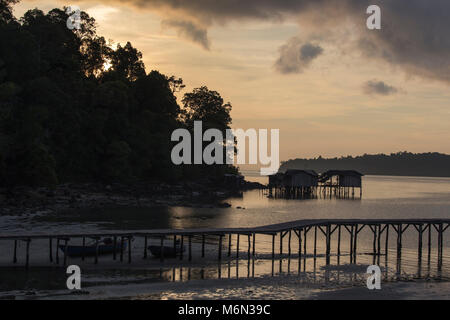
307 184
380 228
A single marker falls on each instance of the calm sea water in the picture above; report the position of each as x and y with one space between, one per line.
383 197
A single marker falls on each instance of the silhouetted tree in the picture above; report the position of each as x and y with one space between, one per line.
74 109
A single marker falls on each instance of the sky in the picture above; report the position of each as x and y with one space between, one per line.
309 68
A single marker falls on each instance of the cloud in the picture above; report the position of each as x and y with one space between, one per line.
296 56
413 35
379 87
189 30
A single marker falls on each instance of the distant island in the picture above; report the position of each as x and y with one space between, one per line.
430 164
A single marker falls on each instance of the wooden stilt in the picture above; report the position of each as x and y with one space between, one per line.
289 243
386 246
339 245
122 243
254 245
181 246
27 258
114 247
249 246
420 244
399 241
315 242
50 244
190 247
374 230
237 246
355 244
328 243
229 244
57 251
379 241
429 243
351 242
15 252
129 249
281 244
96 251
440 246
273 247
220 247
203 245
146 247
299 249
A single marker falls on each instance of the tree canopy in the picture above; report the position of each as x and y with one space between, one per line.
75 109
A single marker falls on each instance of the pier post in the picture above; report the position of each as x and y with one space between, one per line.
339 243
253 254
374 230
181 247
351 243
379 242
145 247
114 247
96 252
273 253
386 246
190 247
161 250
305 232
289 243
122 242
420 244
175 244
429 244
220 248
299 249
50 245
315 242
237 246
203 245
27 261
57 250
328 243
15 252
355 239
249 246
129 248
440 246
281 244
399 241
254 245
273 247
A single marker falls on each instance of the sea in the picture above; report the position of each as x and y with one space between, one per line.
240 275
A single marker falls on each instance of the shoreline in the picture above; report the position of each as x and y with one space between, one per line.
27 200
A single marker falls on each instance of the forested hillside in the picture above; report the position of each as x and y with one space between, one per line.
399 164
75 108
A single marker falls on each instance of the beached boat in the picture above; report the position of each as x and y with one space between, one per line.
104 247
169 252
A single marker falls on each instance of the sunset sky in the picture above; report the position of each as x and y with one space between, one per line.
309 68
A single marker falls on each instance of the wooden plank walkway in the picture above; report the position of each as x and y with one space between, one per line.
267 229
300 228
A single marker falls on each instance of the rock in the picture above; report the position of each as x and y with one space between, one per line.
224 205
